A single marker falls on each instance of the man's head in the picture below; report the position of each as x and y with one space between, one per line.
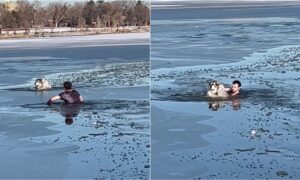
236 86
67 85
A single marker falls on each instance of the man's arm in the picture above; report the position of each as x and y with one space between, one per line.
54 98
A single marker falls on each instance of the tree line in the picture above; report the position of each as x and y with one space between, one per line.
92 13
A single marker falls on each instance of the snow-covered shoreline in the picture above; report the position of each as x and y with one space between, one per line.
77 41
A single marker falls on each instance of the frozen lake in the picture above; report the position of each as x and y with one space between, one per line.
110 134
191 47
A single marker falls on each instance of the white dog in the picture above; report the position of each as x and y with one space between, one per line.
216 89
42 84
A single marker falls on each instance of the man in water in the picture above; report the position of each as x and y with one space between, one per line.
69 96
234 92
235 88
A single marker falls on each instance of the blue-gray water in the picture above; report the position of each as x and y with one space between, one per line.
197 137
110 135
219 35
34 63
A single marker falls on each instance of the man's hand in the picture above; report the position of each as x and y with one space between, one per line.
51 100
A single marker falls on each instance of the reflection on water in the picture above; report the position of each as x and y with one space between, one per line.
215 105
121 127
70 111
236 104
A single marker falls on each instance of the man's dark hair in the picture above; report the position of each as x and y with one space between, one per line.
237 82
67 85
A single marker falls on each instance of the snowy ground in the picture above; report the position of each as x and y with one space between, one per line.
77 41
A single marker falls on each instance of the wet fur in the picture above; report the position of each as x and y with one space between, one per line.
42 84
217 90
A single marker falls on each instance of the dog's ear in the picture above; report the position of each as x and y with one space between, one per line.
38 81
218 83
210 85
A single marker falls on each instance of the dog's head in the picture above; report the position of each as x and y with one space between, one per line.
41 84
213 87
38 83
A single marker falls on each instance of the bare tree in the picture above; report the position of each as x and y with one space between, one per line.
1 10
74 15
29 14
142 14
104 11
57 12
9 20
81 22
118 11
25 13
1 18
41 15
90 13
